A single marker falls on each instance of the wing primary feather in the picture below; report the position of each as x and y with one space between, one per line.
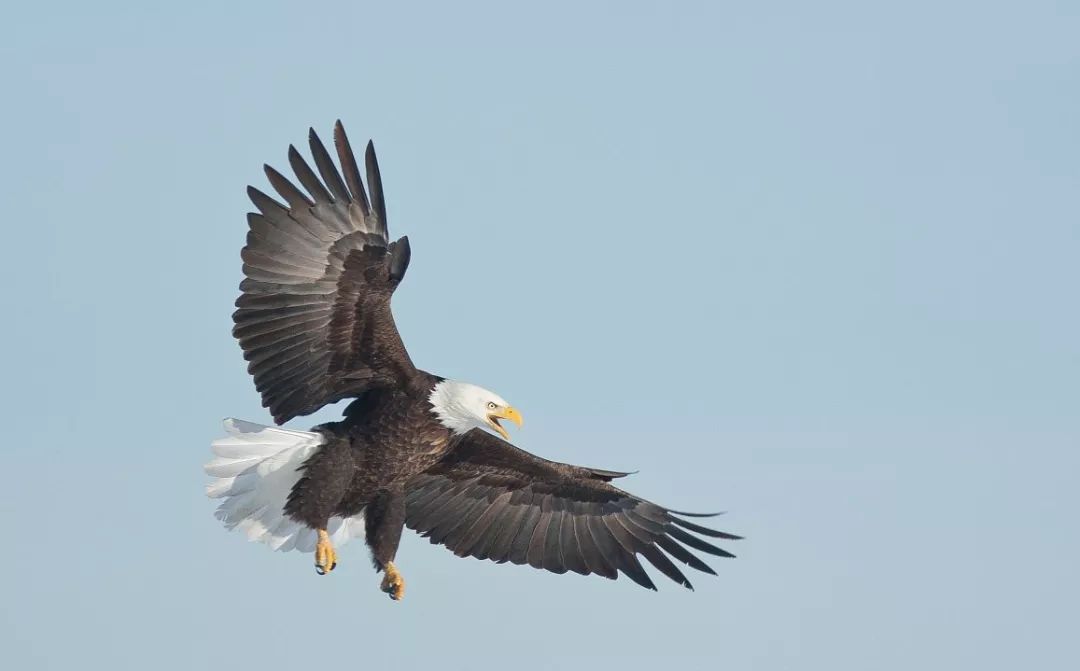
682 554
686 514
628 562
292 195
631 568
623 535
326 167
649 529
696 543
646 546
307 177
265 204
349 167
705 531
590 552
374 178
606 545
665 566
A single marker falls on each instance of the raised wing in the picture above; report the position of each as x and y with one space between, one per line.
490 500
314 316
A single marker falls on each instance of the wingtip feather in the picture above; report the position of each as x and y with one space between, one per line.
683 513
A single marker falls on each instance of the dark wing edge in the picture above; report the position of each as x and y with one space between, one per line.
491 500
314 318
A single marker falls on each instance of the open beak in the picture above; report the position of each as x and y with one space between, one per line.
509 413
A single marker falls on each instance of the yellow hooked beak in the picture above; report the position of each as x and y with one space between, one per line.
510 413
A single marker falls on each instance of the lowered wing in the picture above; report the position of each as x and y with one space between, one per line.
491 500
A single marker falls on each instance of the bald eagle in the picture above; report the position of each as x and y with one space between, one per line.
412 449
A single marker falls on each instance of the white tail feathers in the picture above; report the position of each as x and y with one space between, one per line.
254 470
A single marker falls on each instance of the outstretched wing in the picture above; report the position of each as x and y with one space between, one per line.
314 317
490 500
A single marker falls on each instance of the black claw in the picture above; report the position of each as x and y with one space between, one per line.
334 566
319 569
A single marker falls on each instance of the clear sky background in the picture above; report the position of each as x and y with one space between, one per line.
815 264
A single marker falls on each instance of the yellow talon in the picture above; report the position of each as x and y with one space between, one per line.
325 557
392 583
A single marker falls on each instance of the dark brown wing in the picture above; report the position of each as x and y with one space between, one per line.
314 317
490 500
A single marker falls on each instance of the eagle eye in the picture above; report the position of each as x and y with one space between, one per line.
491 405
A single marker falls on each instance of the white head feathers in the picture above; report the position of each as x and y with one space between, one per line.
461 407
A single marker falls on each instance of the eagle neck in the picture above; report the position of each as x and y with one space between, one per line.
448 406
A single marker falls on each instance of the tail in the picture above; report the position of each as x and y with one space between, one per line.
254 470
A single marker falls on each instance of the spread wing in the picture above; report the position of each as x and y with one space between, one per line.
490 500
314 316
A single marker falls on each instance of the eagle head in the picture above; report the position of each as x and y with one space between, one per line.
461 406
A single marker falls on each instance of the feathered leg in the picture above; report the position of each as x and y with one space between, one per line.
316 495
384 519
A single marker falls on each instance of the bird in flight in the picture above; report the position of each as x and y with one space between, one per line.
412 448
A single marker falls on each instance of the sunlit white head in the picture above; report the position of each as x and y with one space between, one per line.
461 407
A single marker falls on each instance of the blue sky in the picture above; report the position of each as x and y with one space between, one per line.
814 264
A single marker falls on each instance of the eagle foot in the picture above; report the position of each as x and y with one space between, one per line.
325 556
392 583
